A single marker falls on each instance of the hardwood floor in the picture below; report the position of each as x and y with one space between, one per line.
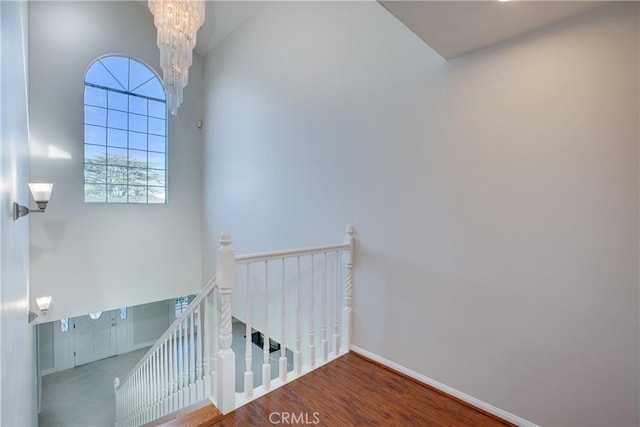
354 391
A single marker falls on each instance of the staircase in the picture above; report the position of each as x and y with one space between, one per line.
295 293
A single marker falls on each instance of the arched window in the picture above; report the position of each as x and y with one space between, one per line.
125 133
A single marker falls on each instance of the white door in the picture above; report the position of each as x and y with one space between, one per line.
95 336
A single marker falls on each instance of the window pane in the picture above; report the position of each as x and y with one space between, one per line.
157 109
137 105
94 193
138 141
95 173
117 156
138 123
116 138
94 135
156 195
137 194
117 175
118 66
152 89
99 75
116 193
157 126
94 153
137 158
156 160
156 177
117 119
95 116
95 96
138 74
118 101
157 143
138 177
96 315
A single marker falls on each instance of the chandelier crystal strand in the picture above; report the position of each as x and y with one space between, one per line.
177 23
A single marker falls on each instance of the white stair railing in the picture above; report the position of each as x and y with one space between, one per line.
297 299
302 298
178 370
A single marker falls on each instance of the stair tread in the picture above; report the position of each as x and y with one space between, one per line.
202 417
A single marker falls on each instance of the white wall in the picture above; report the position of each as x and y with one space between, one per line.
150 321
92 257
18 404
495 197
46 353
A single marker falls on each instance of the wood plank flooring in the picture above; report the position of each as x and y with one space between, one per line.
354 391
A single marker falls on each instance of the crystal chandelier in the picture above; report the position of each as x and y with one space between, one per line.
177 23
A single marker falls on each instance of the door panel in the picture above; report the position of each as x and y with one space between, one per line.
95 339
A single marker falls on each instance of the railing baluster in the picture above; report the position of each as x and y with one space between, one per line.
154 384
165 381
325 342
248 355
185 366
140 395
266 366
283 344
159 378
215 376
206 307
170 407
312 343
192 360
116 384
198 348
297 359
138 398
179 360
348 284
146 394
176 379
336 307
152 392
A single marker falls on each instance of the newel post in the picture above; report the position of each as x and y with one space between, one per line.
348 289
225 366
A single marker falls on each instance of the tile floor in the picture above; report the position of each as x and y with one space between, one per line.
83 396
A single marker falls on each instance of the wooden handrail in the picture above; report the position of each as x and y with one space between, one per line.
268 256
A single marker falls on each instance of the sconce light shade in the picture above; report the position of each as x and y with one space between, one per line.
43 303
41 192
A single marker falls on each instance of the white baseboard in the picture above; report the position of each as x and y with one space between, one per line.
139 346
507 416
48 371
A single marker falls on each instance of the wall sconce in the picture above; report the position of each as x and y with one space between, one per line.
43 304
41 192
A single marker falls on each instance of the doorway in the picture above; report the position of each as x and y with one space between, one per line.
95 336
